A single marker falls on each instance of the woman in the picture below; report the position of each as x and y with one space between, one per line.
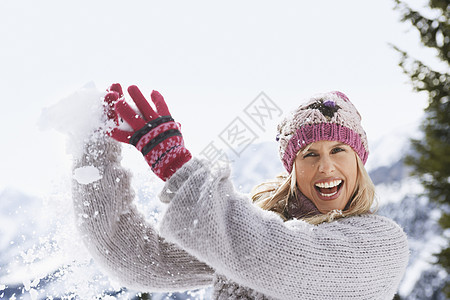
210 234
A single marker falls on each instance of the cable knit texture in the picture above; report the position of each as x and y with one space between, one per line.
213 235
361 257
118 236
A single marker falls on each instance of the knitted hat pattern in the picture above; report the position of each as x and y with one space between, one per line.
324 117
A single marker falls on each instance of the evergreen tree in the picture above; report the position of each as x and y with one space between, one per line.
431 159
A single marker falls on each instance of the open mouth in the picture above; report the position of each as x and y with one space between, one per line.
329 189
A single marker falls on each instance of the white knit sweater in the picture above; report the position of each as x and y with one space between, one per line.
210 229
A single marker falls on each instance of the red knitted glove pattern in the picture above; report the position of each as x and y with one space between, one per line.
155 133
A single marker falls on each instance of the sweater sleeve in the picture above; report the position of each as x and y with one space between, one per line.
362 257
117 234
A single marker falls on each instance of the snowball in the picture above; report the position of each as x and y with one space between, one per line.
76 116
86 175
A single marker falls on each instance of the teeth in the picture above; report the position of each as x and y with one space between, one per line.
327 185
328 195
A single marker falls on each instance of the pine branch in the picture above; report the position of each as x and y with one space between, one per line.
434 33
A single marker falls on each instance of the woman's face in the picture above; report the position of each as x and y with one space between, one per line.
326 174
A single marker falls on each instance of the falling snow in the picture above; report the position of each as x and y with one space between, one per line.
43 255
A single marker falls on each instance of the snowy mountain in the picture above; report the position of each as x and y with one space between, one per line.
418 217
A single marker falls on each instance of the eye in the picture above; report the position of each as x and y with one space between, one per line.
337 150
309 154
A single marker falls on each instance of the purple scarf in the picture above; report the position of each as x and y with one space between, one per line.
301 207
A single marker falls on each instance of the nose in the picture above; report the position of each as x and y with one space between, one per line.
326 165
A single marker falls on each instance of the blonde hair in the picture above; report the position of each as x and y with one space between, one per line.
274 196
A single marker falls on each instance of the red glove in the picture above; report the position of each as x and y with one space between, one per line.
155 134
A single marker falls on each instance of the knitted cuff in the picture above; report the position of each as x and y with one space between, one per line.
174 183
170 161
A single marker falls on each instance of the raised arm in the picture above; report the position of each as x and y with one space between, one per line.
117 234
357 257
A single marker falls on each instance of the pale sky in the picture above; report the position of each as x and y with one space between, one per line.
209 59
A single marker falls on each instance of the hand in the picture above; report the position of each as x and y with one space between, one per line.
155 134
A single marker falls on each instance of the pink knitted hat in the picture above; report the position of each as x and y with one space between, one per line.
324 117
